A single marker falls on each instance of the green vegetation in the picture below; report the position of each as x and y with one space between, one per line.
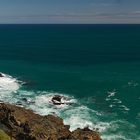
3 135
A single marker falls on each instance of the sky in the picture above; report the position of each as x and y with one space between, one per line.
70 11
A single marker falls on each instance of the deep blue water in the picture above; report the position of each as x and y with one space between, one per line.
99 65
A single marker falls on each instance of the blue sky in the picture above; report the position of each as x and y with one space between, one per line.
69 11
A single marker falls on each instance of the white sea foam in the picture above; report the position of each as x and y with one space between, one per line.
82 116
73 113
107 99
133 84
77 121
117 101
113 130
114 137
47 99
120 130
111 106
43 105
8 84
111 94
101 126
124 107
78 117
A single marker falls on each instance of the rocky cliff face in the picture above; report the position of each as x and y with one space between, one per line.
23 124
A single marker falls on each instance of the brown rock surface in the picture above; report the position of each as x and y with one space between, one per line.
85 134
23 124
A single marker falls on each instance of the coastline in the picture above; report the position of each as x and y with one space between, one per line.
95 68
23 124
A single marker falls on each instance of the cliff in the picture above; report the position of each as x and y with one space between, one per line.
22 124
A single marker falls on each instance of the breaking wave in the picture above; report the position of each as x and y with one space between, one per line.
74 113
8 83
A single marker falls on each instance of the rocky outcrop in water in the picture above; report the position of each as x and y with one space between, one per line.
56 100
1 75
85 134
23 124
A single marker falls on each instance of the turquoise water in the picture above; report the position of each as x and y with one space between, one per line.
96 66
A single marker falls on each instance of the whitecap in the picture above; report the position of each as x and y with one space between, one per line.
117 101
8 84
124 107
107 99
111 94
101 126
78 117
133 84
73 113
76 121
111 105
42 103
47 99
114 137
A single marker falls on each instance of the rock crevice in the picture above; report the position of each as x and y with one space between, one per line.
24 124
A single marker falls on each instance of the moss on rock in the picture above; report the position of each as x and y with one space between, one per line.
3 135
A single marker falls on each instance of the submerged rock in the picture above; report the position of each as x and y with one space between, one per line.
23 124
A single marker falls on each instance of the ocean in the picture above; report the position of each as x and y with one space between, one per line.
96 68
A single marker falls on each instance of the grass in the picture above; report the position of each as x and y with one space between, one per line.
3 135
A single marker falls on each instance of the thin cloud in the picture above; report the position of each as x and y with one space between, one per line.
90 15
103 4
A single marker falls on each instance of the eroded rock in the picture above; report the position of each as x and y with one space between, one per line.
23 124
85 134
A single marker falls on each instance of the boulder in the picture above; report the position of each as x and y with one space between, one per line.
86 134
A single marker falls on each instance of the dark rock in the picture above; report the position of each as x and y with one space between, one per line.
56 100
26 128
24 99
1 75
86 129
22 136
1 101
18 103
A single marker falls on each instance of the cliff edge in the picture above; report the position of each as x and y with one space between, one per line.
23 124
